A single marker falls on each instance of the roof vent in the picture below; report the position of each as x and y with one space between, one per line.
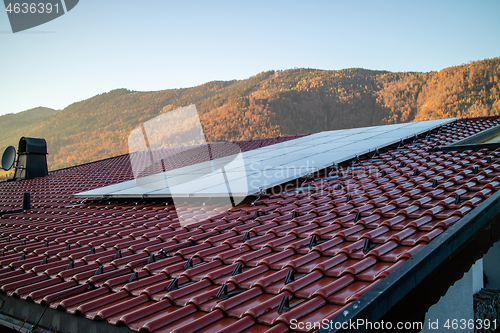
31 159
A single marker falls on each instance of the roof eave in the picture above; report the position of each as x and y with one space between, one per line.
443 261
21 315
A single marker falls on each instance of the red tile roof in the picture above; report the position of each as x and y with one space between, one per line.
305 254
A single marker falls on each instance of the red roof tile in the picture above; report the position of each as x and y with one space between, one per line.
302 255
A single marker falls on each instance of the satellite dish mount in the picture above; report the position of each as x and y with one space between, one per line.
31 159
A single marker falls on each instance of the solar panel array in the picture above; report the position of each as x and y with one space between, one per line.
250 172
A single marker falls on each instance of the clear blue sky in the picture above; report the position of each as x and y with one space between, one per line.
103 45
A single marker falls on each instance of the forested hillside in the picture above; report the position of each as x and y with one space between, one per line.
269 104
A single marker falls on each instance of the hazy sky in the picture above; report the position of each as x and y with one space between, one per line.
103 45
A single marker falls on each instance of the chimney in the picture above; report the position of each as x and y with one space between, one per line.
31 159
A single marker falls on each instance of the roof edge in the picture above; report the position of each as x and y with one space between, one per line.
21 316
379 300
478 137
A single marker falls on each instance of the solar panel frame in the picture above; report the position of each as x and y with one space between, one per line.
294 159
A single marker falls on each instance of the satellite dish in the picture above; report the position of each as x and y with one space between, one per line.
8 157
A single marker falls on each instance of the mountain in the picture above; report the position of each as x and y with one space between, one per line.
269 104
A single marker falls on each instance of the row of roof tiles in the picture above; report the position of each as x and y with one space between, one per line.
305 253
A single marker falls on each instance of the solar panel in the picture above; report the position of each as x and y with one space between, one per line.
248 173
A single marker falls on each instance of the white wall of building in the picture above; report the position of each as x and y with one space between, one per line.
491 263
457 303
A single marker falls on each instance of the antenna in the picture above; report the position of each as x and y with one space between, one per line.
8 158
